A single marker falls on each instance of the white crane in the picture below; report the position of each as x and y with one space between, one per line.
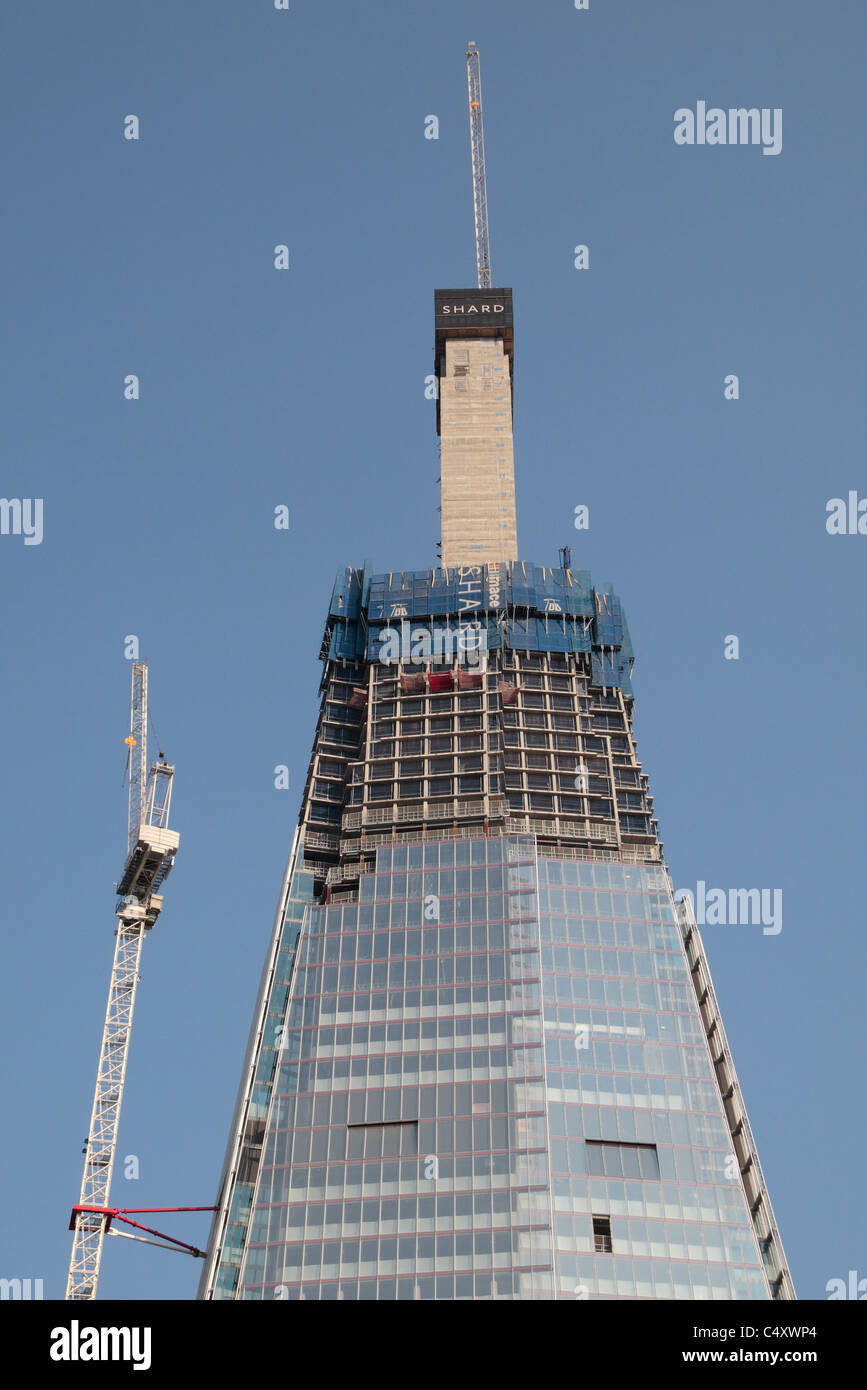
480 181
151 849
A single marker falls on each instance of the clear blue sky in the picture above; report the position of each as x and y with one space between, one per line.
307 388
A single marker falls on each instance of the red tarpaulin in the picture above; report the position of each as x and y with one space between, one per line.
412 685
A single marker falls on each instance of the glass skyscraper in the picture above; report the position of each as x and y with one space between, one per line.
487 1059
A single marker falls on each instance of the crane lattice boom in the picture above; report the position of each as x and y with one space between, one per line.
151 851
480 183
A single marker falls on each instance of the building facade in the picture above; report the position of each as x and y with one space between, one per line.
487 1060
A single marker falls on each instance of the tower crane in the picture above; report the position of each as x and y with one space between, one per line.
480 182
151 849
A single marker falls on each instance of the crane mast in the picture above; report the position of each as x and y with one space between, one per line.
480 182
151 849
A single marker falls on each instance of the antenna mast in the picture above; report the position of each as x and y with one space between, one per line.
480 183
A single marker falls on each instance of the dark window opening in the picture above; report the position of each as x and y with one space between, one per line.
611 1160
602 1235
398 1139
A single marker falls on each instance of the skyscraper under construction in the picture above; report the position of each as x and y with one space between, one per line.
486 1060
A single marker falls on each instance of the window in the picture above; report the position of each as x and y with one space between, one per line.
382 1141
608 1160
441 724
440 786
602 1235
329 767
331 791
539 781
608 721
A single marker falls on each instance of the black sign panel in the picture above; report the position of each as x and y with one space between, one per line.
472 309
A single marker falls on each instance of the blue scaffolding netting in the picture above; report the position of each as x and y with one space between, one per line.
518 605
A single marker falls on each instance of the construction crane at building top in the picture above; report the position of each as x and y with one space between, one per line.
480 183
151 849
